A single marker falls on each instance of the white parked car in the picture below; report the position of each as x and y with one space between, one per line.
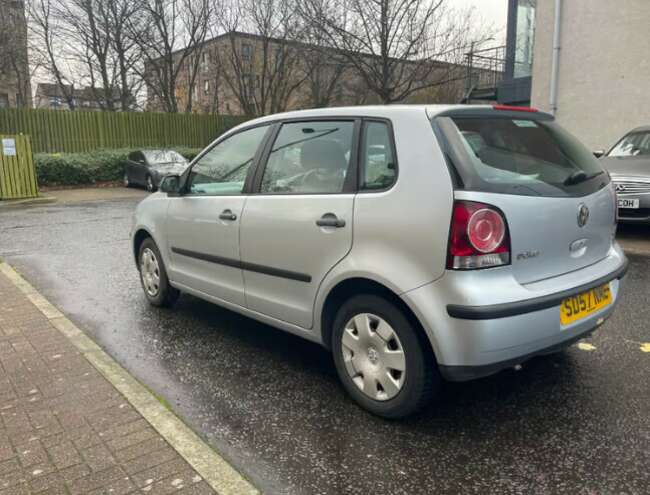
415 242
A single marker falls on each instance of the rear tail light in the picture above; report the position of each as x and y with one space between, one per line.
479 237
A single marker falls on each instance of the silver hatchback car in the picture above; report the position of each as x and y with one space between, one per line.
416 242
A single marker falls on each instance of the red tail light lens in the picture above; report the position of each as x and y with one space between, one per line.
479 237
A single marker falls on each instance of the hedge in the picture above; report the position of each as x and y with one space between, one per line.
70 169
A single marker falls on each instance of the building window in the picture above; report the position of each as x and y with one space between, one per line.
257 81
206 87
525 38
247 83
246 51
4 100
205 61
55 101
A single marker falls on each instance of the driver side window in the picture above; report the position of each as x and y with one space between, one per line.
309 158
222 171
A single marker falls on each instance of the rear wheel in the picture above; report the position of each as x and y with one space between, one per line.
153 276
382 360
127 181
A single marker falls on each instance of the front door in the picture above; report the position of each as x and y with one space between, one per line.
299 224
203 223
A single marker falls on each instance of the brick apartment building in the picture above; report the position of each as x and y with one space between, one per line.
234 78
15 88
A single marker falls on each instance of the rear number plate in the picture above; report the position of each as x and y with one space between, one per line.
575 308
628 203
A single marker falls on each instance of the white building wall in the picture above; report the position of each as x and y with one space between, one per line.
604 72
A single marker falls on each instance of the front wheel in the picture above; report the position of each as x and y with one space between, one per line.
385 364
151 187
153 276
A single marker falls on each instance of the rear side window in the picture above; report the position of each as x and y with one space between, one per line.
521 156
378 165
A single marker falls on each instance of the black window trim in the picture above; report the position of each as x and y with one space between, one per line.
361 161
351 178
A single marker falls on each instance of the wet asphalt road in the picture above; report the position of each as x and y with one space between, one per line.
577 422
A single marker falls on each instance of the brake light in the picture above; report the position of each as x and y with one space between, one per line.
478 238
512 108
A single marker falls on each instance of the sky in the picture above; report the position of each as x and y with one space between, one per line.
491 11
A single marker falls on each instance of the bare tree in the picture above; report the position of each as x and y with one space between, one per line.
171 47
47 28
323 67
398 47
263 71
14 64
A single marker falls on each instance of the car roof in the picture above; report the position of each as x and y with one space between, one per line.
379 111
643 128
361 111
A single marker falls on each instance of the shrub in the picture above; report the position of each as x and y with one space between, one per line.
70 169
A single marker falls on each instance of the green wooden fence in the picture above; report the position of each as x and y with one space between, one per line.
54 131
17 174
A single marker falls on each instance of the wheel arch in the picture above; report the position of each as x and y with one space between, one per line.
349 287
138 238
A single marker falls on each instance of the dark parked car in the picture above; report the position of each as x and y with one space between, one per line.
628 163
148 167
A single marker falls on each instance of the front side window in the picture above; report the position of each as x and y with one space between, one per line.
309 158
378 157
222 171
522 156
634 144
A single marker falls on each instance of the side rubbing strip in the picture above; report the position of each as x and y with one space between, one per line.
251 267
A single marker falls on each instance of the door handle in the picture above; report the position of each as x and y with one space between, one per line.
330 220
228 215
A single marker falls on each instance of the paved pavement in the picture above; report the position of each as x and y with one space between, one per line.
63 427
575 422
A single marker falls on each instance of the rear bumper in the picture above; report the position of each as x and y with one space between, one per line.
502 323
505 310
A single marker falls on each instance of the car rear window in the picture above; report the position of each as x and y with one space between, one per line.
520 156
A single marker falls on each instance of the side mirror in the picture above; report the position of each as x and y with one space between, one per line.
171 185
599 153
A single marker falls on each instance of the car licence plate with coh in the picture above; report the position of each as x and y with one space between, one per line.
628 203
577 307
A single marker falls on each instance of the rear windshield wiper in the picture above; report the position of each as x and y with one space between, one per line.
579 177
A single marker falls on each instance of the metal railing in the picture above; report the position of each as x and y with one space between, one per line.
485 70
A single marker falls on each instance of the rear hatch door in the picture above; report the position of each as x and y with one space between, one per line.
557 199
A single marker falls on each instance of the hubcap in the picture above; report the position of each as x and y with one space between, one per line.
149 184
150 272
126 180
373 356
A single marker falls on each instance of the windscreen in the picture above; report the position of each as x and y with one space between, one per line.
164 156
634 144
522 156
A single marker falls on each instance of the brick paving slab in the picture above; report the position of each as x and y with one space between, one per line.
64 428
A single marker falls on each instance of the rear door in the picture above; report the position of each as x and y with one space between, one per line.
298 225
558 201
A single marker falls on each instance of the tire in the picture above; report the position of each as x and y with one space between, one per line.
418 382
151 187
127 181
157 290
